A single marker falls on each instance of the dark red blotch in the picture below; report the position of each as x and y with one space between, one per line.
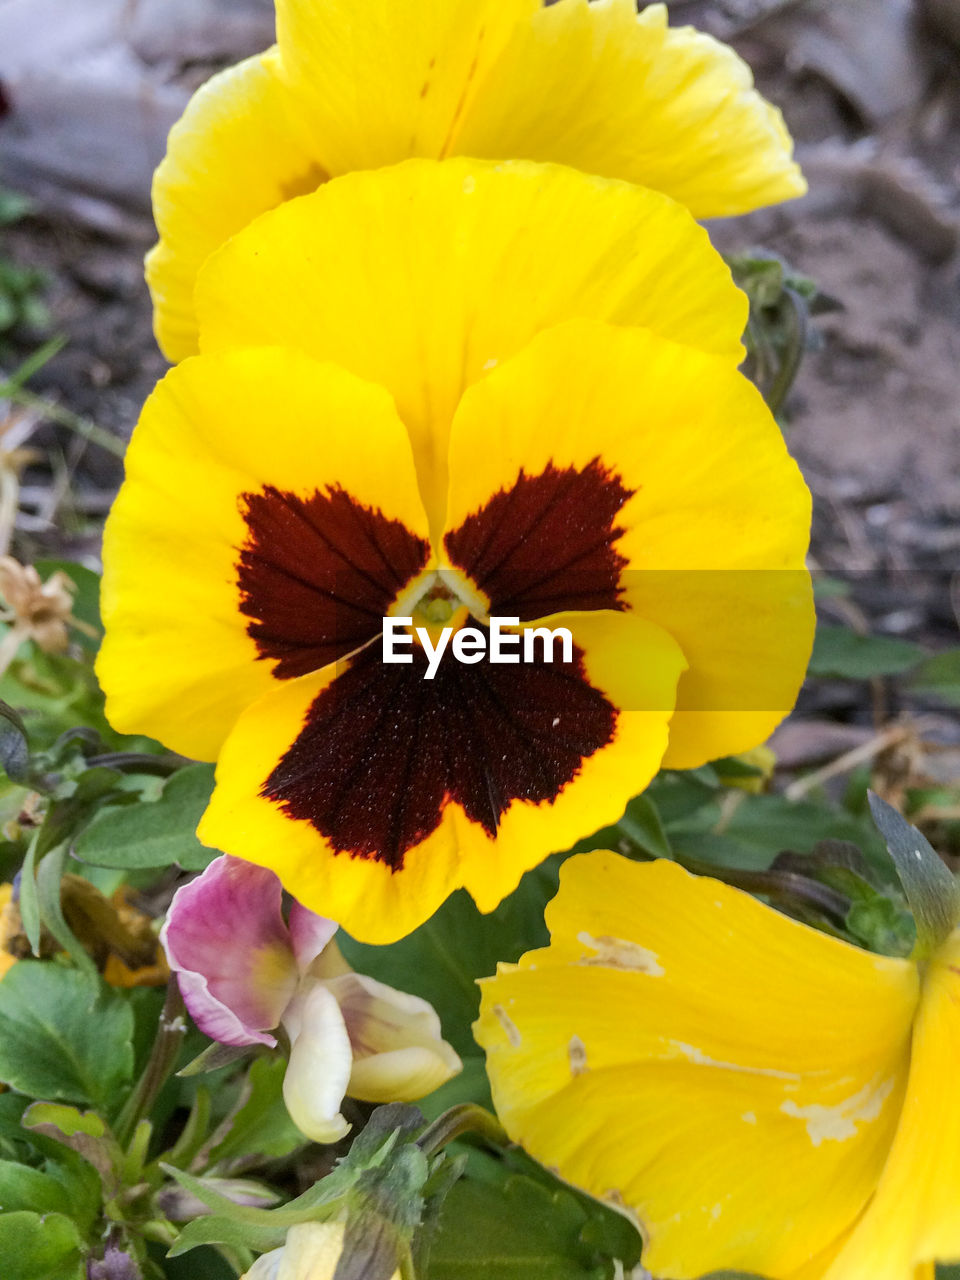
383 750
317 575
547 544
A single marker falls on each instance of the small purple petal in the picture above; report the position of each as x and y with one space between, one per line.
227 943
309 934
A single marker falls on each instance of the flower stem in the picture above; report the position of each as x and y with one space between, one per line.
466 1117
163 1058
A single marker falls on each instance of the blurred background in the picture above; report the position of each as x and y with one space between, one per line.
864 273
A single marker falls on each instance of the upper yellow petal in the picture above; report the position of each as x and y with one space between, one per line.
593 86
603 89
381 81
425 276
679 1046
235 153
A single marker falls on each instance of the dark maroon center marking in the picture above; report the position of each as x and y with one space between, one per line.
317 575
383 750
547 544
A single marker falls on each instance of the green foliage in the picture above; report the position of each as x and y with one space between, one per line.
64 1035
259 1126
939 677
508 1219
838 651
21 288
442 960
156 831
35 1247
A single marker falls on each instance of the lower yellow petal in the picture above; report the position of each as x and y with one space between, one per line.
598 87
679 1046
235 153
914 1218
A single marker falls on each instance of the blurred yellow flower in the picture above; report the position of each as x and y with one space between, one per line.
762 1097
10 927
357 86
311 1252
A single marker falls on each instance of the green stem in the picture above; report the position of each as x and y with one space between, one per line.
163 1058
466 1117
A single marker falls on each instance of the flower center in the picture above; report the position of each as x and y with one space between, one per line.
440 598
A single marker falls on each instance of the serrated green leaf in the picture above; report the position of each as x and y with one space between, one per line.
157 833
64 1035
35 1247
840 652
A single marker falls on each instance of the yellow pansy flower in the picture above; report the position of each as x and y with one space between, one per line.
762 1097
357 86
376 427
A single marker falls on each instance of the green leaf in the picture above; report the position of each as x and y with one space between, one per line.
761 826
931 889
516 1230
155 833
84 1133
14 745
838 651
261 1126
64 1035
24 1188
442 960
939 676
641 826
40 1248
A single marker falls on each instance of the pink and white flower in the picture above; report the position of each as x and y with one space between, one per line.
244 971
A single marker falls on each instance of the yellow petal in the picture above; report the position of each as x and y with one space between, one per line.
600 88
679 1046
715 533
913 1220
214 430
423 277
235 153
378 82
